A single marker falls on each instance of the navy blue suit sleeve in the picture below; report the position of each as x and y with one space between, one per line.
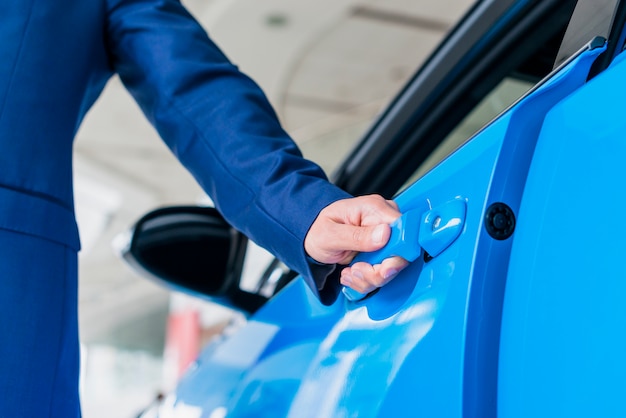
219 124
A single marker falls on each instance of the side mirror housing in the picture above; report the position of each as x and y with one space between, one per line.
194 250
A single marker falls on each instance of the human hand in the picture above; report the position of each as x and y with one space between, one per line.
349 226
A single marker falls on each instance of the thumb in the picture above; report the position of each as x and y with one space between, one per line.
345 241
365 238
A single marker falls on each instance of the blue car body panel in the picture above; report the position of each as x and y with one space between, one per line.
564 320
429 343
274 346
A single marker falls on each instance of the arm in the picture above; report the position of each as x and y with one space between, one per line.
219 124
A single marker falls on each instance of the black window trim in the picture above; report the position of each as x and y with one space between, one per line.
385 149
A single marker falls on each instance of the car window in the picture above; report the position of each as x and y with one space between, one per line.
588 22
371 52
471 78
502 96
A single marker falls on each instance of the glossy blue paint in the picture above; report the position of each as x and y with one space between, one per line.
408 341
564 316
261 354
484 308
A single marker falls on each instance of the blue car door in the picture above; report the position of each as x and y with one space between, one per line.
564 319
427 343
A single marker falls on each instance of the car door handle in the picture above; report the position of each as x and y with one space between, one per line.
417 231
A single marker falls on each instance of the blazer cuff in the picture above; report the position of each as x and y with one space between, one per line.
326 279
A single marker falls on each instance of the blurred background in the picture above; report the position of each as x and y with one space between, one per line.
328 66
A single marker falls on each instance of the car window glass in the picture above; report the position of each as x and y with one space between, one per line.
501 97
368 55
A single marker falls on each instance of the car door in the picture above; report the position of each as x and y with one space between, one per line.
564 318
428 341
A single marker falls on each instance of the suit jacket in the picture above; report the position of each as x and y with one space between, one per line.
56 58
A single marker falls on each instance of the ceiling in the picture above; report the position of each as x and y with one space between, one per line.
328 66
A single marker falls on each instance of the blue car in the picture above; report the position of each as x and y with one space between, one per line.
506 153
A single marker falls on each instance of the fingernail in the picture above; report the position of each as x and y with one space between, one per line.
390 273
346 280
377 234
357 274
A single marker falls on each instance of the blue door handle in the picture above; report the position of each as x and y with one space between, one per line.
416 231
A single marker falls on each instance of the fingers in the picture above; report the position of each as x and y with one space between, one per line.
349 226
365 278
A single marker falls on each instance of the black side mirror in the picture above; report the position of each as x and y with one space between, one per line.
194 250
